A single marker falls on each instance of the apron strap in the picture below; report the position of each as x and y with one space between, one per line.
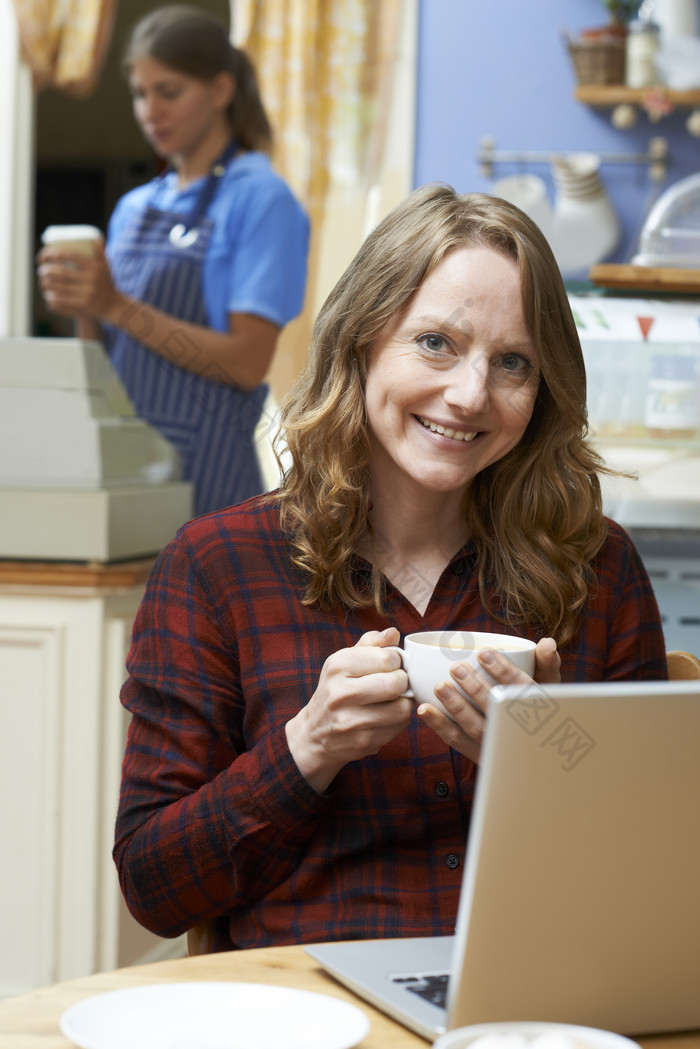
185 233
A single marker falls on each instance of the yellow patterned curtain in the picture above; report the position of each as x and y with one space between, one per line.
325 69
64 42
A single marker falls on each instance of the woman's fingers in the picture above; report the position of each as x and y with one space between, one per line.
356 709
76 283
547 662
465 697
452 734
380 638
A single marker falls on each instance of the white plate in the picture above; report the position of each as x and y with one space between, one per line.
213 1016
554 1034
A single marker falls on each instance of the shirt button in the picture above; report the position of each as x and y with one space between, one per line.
441 789
458 567
452 861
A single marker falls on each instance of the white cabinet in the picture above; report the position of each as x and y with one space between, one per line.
64 633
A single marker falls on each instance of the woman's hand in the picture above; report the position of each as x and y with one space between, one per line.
466 732
77 285
357 707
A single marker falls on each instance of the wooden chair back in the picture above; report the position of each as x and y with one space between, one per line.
682 666
200 939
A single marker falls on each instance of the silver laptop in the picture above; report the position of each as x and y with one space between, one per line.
581 894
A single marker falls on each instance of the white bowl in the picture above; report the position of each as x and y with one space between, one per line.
577 1037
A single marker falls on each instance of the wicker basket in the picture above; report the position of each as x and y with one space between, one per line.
598 61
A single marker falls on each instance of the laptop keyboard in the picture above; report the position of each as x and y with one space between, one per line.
431 986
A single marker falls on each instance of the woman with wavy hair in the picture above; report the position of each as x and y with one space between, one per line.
276 778
534 514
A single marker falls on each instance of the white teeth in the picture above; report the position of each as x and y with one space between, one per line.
455 435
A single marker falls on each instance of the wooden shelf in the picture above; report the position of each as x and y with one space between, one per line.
609 95
645 278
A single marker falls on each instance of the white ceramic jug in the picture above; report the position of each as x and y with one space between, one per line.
585 228
529 193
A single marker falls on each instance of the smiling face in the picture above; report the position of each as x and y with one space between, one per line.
178 114
451 387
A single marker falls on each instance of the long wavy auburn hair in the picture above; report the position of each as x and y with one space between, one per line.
535 516
194 42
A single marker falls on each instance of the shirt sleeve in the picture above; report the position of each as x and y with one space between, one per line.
268 276
205 826
622 636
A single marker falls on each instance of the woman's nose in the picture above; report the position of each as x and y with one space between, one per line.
146 109
468 388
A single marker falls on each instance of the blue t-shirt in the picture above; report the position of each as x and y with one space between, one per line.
257 257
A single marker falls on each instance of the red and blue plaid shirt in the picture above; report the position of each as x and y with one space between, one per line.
215 820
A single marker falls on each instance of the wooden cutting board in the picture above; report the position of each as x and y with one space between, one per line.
645 278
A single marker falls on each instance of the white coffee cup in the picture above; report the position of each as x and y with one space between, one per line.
82 240
428 656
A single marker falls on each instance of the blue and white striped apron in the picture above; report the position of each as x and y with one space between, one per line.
210 423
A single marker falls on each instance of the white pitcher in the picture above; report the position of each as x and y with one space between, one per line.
529 193
585 228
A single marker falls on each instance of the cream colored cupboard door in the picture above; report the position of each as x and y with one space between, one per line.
62 659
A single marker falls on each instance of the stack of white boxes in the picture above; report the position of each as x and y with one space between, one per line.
81 478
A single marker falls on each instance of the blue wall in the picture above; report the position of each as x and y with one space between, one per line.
500 68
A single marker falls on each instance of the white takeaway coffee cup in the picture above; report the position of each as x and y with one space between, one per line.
82 240
428 656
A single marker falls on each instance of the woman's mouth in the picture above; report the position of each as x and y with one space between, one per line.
446 431
157 135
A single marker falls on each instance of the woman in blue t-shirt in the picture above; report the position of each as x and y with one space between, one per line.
204 265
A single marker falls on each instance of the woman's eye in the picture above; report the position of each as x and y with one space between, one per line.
513 366
433 343
515 362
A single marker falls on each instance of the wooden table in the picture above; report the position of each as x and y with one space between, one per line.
31 1021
